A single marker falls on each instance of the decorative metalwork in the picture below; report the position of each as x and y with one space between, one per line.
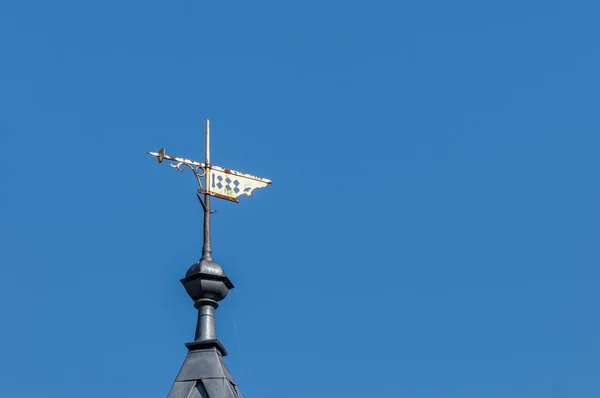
224 183
197 170
219 182
230 186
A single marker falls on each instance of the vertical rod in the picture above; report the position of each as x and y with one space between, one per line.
206 249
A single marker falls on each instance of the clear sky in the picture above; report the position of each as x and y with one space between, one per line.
432 228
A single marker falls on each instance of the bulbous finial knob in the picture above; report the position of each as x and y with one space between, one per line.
206 280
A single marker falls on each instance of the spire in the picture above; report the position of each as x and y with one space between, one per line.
203 373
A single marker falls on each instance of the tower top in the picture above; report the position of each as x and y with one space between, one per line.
204 373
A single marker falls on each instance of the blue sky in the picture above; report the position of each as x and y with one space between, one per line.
432 227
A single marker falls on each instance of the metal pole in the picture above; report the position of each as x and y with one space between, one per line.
206 249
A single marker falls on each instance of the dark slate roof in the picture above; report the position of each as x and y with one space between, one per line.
204 375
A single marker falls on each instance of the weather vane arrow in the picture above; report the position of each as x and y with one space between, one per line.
219 182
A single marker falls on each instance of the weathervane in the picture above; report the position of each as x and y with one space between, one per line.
219 182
